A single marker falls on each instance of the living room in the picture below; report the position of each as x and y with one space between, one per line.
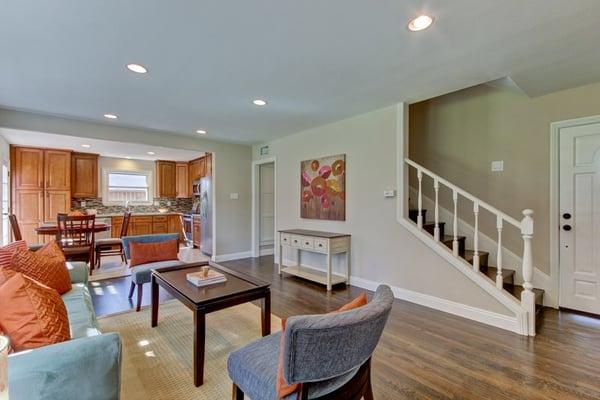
384 190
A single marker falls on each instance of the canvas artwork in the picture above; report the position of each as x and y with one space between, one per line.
323 188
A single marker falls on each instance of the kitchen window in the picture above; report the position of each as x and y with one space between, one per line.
133 187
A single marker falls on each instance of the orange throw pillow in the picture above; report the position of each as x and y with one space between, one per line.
144 253
7 252
46 265
285 389
32 315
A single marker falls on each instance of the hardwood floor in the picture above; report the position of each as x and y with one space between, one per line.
427 354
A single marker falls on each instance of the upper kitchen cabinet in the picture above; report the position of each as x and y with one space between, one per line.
27 168
57 169
181 178
84 175
208 164
166 179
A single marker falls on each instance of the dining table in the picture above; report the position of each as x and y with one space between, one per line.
51 229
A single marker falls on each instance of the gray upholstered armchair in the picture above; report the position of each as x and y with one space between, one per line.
327 355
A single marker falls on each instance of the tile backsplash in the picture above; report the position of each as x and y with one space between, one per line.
177 205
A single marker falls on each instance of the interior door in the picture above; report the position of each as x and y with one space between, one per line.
580 218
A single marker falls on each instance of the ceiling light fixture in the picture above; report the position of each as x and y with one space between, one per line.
201 131
127 157
151 153
420 23
110 116
137 68
259 102
87 146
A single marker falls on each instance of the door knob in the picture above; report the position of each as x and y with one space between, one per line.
567 227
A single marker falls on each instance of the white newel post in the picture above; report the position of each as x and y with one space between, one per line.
420 200
455 224
436 228
476 237
499 278
527 296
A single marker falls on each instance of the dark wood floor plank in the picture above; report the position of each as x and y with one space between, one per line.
427 354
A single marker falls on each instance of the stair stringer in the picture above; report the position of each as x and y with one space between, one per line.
511 260
502 296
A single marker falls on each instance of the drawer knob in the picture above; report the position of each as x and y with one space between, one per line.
306 242
320 244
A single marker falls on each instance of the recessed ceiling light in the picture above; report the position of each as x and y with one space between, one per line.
87 146
259 102
110 116
201 131
151 153
127 157
137 68
420 23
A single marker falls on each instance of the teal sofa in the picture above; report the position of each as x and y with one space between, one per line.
87 367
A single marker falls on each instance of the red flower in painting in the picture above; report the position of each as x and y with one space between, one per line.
305 179
338 167
314 165
325 171
343 195
306 196
325 202
318 186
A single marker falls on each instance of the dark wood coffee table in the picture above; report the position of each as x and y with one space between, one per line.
203 300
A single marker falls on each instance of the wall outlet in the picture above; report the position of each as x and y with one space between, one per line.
234 196
498 166
83 203
169 203
389 193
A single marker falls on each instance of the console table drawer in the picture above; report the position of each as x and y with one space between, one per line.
296 241
321 245
307 243
286 239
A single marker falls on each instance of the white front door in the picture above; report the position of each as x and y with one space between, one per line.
580 218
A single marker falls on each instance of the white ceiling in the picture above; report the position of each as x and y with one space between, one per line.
315 61
104 148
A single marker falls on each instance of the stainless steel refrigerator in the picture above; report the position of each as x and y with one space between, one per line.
206 215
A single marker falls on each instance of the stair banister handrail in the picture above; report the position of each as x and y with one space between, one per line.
463 193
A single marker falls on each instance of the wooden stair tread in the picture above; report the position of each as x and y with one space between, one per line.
450 238
491 272
432 223
517 289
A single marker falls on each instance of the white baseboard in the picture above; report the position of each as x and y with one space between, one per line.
507 322
266 252
473 313
232 256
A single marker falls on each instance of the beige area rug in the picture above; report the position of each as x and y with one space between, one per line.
157 362
112 266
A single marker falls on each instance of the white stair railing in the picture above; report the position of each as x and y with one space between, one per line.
525 226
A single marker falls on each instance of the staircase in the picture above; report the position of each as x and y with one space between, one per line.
444 234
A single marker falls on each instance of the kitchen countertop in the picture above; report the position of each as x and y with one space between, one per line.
137 214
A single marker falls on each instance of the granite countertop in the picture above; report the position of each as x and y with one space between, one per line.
137 214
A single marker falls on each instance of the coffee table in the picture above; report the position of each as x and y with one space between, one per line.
203 300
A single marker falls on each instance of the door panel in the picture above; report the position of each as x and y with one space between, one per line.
181 177
29 210
28 168
56 202
57 169
580 218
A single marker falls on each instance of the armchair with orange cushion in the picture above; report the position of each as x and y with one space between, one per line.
147 252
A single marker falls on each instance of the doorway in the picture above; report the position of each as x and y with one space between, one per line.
579 215
263 208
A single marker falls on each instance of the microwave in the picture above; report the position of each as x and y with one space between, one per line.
196 188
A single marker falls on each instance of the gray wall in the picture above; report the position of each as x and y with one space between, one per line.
457 136
231 164
382 250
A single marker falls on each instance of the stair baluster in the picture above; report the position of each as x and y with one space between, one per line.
455 224
499 279
420 199
527 296
436 229
476 237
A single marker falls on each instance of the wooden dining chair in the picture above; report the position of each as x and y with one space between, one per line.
14 224
113 246
76 237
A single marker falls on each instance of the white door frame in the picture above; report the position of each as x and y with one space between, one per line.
555 129
256 203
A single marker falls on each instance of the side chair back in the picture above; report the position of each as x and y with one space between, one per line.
14 224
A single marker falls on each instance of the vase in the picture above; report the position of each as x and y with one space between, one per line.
3 367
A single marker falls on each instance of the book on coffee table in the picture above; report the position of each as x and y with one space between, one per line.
198 279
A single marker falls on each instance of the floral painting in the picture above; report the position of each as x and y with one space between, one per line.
323 188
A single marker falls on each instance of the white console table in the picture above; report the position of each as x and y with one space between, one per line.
316 242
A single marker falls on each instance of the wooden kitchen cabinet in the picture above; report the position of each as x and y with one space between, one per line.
57 170
196 231
208 167
182 182
193 174
165 179
56 202
116 223
141 225
84 175
27 168
28 206
160 224
174 222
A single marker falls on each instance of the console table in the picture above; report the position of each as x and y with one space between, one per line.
316 242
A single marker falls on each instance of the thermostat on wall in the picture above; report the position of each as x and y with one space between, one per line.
389 193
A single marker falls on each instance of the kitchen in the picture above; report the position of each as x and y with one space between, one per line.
162 187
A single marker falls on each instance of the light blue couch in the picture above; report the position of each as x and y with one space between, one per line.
141 274
87 367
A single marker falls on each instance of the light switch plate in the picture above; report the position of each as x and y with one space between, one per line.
234 196
498 166
83 204
389 193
